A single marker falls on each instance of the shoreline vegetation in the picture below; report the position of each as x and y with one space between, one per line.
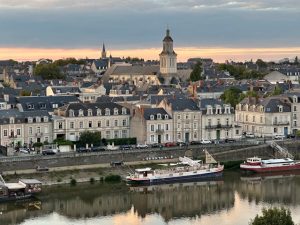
92 175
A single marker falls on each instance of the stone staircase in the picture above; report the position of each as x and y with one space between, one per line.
281 150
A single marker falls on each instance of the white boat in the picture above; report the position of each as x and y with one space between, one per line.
187 170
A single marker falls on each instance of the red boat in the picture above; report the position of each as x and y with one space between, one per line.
258 165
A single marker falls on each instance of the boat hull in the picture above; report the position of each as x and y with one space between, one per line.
268 169
16 198
179 179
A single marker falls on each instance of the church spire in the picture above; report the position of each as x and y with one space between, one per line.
103 53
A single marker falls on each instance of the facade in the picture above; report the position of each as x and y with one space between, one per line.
152 125
295 111
265 117
111 119
186 118
218 120
23 128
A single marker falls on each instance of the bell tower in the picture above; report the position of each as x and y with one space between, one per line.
168 57
103 52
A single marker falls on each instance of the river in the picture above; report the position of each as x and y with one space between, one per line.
232 201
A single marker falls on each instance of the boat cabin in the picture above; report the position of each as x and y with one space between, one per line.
254 161
144 172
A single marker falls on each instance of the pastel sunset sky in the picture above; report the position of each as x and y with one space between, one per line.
221 29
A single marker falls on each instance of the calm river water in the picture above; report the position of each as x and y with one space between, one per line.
233 201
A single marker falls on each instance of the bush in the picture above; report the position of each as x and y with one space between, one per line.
120 141
92 180
73 182
112 178
273 216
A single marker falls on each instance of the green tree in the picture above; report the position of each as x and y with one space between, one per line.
261 63
273 216
63 62
296 62
48 71
277 90
232 96
25 93
196 73
88 137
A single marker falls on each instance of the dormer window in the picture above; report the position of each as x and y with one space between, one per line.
80 112
30 106
11 120
280 108
90 112
295 99
45 118
116 112
151 117
71 113
166 116
158 116
107 112
29 119
43 106
54 106
98 112
38 119
124 111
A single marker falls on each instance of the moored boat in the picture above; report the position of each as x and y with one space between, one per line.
186 170
259 165
24 189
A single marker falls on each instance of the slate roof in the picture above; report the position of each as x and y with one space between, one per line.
94 107
22 117
180 104
132 70
154 111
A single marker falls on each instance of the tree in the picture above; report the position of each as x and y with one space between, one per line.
25 93
232 96
296 62
88 137
277 90
196 73
273 216
48 71
261 63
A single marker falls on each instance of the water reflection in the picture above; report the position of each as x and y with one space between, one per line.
201 202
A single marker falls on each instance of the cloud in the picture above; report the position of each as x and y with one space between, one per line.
149 5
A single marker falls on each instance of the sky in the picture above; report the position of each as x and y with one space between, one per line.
221 29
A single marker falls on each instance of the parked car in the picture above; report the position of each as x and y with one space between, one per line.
156 145
48 152
249 135
195 143
82 149
170 144
112 147
126 147
205 142
291 136
24 150
141 146
181 143
230 140
279 137
98 149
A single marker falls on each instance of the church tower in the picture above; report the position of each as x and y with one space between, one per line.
103 53
168 58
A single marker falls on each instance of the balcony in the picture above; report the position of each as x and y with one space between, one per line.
13 136
280 123
159 131
39 134
219 126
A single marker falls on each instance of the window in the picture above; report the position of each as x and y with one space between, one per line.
60 125
218 122
98 112
80 124
124 133
30 130
227 122
116 111
209 122
107 134
237 132
107 123
151 117
18 131
226 133
116 123
280 108
72 125
159 126
116 134
71 113
46 130
5 133
167 137
195 125
107 112
99 124
152 138
46 139
30 120
187 116
124 111
261 119
166 117
11 120
38 119
158 116
178 136
295 108
124 123
54 106
178 117
38 130
90 112
246 117
253 119
275 130
80 112
195 135
90 124
152 128
45 118
167 126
